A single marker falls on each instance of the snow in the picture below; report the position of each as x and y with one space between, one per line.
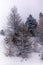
33 60
5 6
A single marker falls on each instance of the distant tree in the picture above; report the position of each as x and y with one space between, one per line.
40 15
2 32
31 24
40 27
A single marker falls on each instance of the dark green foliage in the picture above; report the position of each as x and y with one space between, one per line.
31 24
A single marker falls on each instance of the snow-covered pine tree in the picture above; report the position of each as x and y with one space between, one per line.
17 39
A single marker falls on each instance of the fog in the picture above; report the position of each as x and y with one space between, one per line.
25 7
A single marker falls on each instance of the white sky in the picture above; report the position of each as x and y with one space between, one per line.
25 7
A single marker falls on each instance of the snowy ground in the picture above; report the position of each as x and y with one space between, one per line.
34 60
23 9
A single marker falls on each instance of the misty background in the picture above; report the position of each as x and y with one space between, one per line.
24 7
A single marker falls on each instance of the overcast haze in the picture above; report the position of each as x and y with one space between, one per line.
25 7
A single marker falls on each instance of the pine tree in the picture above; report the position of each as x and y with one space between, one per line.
31 24
17 37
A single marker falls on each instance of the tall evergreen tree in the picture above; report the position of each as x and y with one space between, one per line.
17 36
